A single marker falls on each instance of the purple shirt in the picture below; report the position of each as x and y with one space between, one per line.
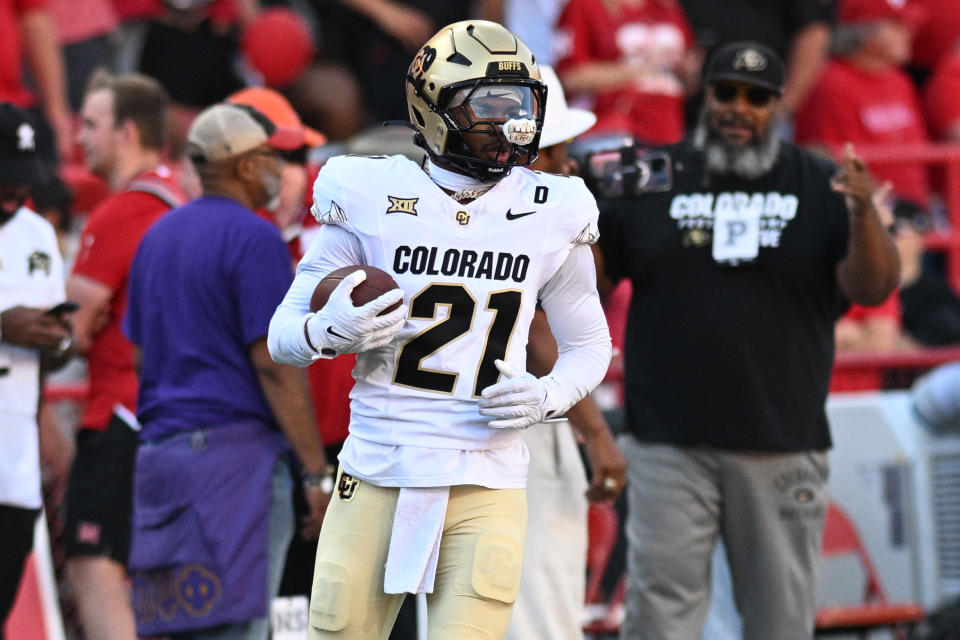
203 287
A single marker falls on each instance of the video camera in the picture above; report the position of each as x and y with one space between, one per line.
617 167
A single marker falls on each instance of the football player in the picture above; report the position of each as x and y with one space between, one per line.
430 496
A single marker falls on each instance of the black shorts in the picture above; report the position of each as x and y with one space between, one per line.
100 493
17 525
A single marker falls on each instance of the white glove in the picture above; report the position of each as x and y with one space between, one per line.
339 327
516 402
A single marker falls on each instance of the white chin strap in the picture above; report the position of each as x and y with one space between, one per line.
520 130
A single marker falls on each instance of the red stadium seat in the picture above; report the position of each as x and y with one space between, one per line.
840 537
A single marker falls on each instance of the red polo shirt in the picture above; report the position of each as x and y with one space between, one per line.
107 247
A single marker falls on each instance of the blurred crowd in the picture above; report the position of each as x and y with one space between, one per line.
871 72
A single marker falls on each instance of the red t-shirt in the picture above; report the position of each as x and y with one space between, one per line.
849 104
848 380
11 50
107 246
658 36
938 34
78 20
942 95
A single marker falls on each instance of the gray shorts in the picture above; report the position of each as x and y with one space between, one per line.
769 508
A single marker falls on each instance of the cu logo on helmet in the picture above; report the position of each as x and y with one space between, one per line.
423 60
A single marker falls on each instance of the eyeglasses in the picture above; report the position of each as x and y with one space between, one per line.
756 96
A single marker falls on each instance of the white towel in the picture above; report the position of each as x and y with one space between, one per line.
415 540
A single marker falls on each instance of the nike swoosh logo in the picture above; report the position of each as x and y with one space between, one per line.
334 333
514 216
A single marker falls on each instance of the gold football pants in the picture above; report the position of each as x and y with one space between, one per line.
478 570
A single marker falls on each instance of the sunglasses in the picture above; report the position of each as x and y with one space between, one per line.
756 96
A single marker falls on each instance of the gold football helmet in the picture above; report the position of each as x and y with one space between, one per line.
476 99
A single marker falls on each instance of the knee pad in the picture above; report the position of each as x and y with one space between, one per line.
497 562
330 597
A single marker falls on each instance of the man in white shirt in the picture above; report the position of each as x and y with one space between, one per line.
430 497
31 284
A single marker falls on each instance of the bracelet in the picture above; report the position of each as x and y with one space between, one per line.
322 481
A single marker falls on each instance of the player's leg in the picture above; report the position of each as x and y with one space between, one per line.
673 521
99 510
478 571
773 525
347 600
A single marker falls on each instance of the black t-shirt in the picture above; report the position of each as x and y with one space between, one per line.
735 357
771 22
197 68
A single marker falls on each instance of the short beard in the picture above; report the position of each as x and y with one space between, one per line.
750 161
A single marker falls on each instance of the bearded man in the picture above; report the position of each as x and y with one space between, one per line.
739 270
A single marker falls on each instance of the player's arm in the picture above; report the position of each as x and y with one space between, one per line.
572 304
93 298
579 326
288 395
606 462
332 248
298 336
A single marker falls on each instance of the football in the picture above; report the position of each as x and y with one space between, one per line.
377 283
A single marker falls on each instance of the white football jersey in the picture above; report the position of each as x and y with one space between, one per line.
31 274
471 274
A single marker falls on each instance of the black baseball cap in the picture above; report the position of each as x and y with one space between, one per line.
19 161
749 62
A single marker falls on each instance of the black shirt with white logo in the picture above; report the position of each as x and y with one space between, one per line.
730 354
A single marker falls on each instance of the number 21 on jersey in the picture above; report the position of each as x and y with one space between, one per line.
462 307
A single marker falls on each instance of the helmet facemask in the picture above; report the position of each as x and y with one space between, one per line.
494 124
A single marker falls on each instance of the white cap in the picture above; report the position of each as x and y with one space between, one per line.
560 122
